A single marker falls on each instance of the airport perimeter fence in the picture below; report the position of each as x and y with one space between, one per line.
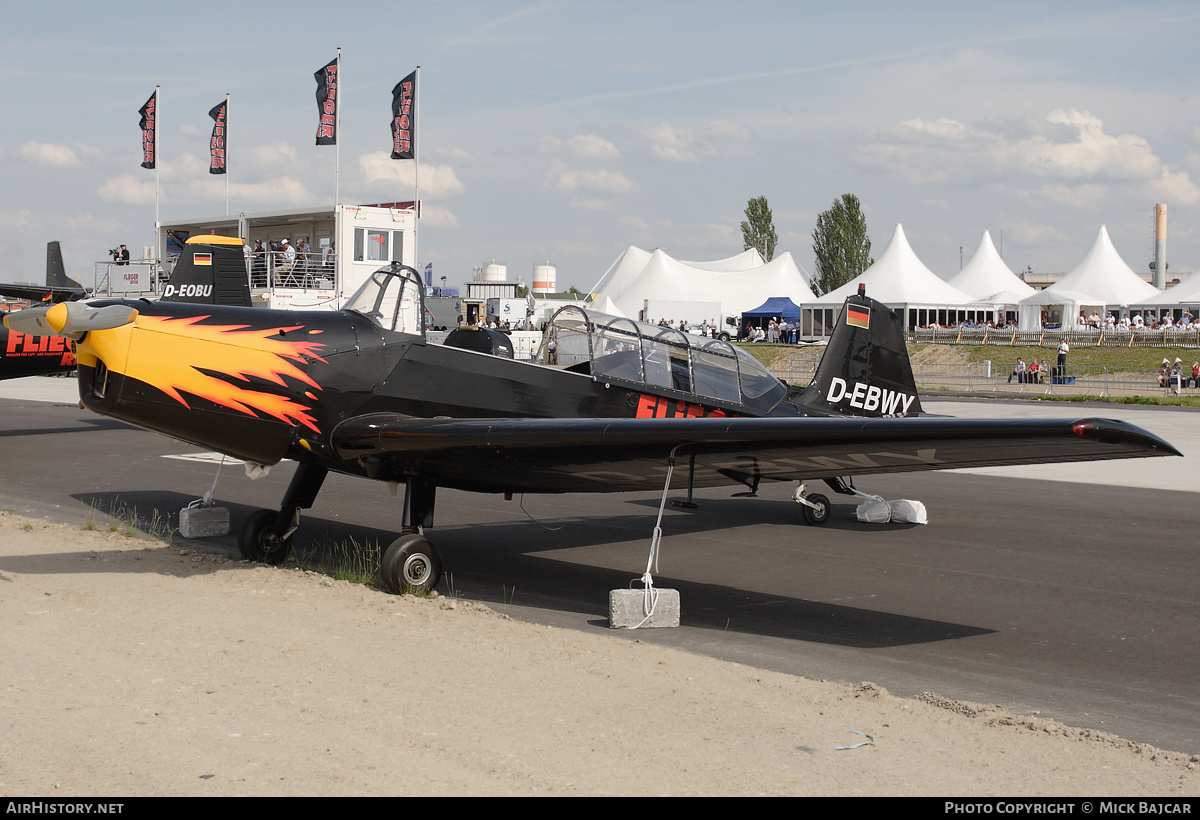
994 377
1090 337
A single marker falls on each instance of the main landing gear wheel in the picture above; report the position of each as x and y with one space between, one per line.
819 516
258 543
410 564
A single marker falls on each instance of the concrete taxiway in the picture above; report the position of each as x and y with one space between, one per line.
1070 590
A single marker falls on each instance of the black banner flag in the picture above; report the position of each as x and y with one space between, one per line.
327 103
404 118
149 113
218 143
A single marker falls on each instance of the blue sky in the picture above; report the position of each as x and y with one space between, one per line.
564 131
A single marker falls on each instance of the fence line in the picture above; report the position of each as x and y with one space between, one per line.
987 377
1089 337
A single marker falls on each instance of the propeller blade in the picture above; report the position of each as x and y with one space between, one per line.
70 319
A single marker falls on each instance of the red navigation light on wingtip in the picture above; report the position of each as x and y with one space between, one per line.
1084 429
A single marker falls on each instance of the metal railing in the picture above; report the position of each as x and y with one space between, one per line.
271 270
1089 337
992 377
1091 380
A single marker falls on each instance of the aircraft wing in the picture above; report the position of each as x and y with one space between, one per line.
611 455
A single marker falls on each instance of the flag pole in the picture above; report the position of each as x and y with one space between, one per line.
337 197
226 139
417 169
337 143
158 251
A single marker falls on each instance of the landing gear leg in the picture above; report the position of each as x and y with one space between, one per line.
267 535
410 563
815 507
689 504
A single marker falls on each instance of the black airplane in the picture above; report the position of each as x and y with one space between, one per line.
22 355
609 405
211 270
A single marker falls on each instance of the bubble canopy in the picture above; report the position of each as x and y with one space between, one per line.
612 348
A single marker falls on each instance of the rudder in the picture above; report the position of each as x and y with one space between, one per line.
865 370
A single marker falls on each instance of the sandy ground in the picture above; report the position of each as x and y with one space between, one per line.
135 668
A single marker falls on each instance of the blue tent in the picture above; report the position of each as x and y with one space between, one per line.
775 306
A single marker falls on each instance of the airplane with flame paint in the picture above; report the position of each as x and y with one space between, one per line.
608 405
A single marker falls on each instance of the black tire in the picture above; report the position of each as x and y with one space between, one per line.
816 518
410 564
724 337
256 543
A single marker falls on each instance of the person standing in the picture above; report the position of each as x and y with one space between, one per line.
1063 347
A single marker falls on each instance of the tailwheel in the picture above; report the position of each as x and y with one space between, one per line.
816 509
259 543
410 564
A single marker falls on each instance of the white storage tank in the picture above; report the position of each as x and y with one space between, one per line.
544 278
492 272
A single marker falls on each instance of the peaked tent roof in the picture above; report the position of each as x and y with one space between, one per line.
747 259
899 277
1186 292
628 265
988 279
1103 274
665 278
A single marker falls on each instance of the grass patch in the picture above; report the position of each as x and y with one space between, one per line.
1166 401
348 561
126 521
765 353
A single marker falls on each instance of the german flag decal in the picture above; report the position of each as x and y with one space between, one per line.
203 258
858 316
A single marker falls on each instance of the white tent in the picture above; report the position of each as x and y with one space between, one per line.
1105 277
747 259
637 277
623 271
902 282
1061 308
988 279
898 277
1186 293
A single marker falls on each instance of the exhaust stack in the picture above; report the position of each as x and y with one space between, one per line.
1160 246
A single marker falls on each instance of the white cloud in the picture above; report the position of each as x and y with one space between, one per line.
127 190
436 180
49 155
284 191
437 217
672 143
1066 145
580 146
605 182
276 155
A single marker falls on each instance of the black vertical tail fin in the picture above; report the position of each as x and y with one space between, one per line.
865 370
56 272
210 271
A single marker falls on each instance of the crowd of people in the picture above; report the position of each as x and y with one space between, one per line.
292 265
1136 321
1174 377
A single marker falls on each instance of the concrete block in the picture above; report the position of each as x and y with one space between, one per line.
203 522
627 608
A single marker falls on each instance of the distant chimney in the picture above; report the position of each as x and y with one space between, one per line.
1160 246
